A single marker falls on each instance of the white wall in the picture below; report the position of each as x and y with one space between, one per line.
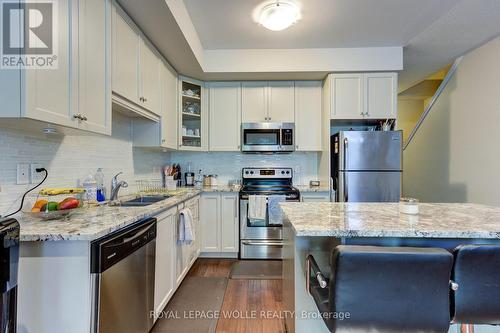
71 158
228 165
455 157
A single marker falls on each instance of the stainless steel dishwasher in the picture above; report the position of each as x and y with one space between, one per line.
123 271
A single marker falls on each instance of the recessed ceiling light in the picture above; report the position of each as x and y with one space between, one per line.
279 15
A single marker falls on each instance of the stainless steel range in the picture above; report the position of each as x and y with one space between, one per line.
259 239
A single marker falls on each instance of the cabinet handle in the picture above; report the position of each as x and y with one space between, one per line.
80 117
144 99
163 140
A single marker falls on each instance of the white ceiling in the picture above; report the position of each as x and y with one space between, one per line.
218 40
228 24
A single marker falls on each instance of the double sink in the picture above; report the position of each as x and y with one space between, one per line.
143 201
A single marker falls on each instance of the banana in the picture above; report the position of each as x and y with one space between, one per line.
57 191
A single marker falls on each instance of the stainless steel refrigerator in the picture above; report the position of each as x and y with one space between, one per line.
367 166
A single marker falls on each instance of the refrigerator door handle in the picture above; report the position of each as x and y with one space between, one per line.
346 195
344 174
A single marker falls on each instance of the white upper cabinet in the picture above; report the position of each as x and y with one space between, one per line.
150 87
225 116
308 106
168 107
267 101
46 92
136 67
381 95
77 93
363 96
254 102
281 101
347 93
125 58
94 70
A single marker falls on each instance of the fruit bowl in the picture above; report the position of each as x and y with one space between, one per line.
46 216
53 204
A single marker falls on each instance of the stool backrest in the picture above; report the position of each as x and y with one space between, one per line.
477 272
390 289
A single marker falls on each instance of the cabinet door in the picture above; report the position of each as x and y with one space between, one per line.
347 96
281 101
308 106
210 222
254 102
165 259
229 223
125 58
225 116
380 95
169 107
94 65
47 92
150 79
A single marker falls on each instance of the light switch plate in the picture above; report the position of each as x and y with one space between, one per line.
36 177
23 174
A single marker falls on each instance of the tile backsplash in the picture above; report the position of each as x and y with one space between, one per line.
228 165
69 159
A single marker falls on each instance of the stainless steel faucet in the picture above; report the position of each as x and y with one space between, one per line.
116 185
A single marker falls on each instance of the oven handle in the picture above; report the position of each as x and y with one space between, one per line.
266 243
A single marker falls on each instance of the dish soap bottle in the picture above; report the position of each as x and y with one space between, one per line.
101 191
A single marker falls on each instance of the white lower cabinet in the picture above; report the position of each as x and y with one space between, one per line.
165 257
219 223
173 260
315 197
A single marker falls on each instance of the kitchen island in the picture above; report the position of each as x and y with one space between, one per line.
316 228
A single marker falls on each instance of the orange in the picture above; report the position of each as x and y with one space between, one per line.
39 203
35 210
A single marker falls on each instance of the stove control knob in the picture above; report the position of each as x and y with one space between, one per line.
282 172
251 172
246 172
288 172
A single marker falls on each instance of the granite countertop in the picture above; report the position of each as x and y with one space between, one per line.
438 220
93 223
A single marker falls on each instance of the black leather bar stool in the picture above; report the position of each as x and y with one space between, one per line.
383 289
477 272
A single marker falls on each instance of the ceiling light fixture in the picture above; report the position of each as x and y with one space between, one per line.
279 15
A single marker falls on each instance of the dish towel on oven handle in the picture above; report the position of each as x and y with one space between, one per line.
257 207
186 228
275 213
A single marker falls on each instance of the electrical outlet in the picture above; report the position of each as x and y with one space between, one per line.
36 177
23 174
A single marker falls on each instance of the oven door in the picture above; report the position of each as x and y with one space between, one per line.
257 229
261 137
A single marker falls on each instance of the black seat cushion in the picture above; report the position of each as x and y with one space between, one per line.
389 289
477 272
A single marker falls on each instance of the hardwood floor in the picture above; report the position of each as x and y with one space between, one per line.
252 306
212 267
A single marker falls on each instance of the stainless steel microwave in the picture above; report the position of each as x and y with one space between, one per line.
268 137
